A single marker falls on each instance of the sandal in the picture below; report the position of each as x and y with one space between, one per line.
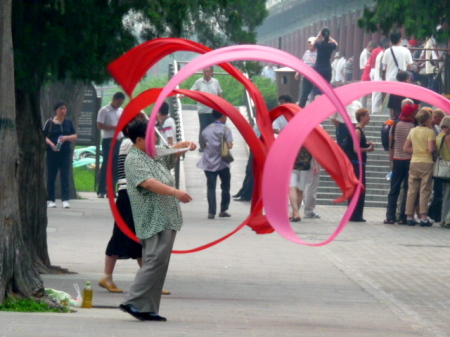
402 222
389 222
292 219
445 225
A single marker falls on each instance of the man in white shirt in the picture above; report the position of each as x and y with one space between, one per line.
334 66
309 57
365 55
375 75
107 120
340 67
206 84
401 61
269 72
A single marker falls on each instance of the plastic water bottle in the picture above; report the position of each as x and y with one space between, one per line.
88 293
59 144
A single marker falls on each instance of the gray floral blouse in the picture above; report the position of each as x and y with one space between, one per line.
152 212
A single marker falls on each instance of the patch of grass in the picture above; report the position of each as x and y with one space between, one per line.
29 305
84 179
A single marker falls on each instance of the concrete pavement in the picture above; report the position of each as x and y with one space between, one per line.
373 280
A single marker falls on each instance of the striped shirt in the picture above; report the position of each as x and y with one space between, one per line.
125 148
401 133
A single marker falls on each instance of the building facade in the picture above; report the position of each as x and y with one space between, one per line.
291 22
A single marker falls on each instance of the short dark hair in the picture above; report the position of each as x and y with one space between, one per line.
118 95
58 105
395 37
360 113
164 109
285 98
217 114
403 76
384 43
138 128
325 32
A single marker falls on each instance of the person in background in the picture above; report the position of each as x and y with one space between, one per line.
213 165
334 66
395 101
348 70
157 218
120 246
396 58
421 142
365 56
59 129
211 85
281 122
325 46
297 185
107 120
443 145
340 68
362 118
269 72
309 57
341 128
400 162
166 125
375 74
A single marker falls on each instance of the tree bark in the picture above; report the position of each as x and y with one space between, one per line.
17 272
71 93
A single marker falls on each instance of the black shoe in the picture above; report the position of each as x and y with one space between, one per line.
211 216
241 199
224 214
411 222
138 315
154 317
236 195
358 220
427 223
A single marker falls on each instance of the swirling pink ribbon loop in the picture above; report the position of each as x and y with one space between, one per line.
277 216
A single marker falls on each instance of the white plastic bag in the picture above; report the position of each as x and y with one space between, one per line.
78 301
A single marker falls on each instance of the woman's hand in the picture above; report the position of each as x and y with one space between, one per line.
53 146
371 147
182 196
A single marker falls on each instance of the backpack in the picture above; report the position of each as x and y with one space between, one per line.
303 160
385 131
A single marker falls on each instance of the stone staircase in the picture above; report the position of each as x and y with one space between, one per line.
377 187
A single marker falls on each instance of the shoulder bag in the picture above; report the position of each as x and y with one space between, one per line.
441 169
225 153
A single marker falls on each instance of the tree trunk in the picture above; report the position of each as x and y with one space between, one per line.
71 93
17 272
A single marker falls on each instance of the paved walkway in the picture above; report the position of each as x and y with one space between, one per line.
374 280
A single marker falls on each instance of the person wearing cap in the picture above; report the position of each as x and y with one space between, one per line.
334 66
309 57
400 162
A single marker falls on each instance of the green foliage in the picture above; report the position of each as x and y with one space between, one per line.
84 179
419 17
216 23
268 90
29 305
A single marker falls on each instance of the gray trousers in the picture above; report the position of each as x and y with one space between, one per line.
145 293
445 218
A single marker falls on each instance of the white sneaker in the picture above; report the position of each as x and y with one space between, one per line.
51 204
65 204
